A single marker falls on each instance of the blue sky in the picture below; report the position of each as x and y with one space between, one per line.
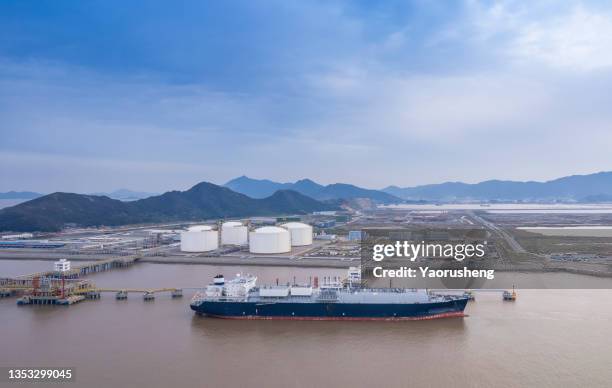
97 95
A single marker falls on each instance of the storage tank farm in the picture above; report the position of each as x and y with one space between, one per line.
200 238
301 234
270 239
234 233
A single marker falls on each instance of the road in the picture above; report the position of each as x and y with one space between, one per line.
514 245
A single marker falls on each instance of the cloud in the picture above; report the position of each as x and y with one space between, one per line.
47 172
579 40
572 36
371 94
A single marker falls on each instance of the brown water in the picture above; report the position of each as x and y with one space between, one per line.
547 338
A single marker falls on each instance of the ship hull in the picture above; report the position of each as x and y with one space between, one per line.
331 311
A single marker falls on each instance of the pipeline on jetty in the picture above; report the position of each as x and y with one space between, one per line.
65 287
67 293
84 269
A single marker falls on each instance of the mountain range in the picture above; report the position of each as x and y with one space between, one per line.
575 188
20 195
203 201
244 196
121 194
260 188
127 195
581 188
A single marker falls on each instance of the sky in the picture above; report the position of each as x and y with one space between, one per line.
156 96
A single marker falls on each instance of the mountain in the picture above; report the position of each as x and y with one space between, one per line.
571 188
307 187
51 212
20 195
122 194
289 201
259 188
346 191
127 195
255 188
204 200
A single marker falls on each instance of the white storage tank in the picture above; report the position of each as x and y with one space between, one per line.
234 233
301 234
269 239
200 238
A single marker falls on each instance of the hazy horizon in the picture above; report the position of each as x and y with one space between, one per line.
136 190
153 97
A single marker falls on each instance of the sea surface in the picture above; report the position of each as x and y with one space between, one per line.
547 338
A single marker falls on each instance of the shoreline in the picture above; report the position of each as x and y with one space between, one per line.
264 261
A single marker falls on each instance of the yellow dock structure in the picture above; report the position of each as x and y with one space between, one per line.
67 287
50 279
65 292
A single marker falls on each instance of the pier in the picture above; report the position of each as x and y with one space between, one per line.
22 283
64 285
85 290
85 269
148 294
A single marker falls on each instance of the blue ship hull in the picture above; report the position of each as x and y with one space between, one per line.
331 310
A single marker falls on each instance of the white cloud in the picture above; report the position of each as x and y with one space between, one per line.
525 99
580 40
568 36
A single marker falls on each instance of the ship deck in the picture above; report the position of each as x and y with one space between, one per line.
357 296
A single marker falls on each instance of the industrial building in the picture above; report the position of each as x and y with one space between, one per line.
301 234
288 219
234 233
326 224
19 236
263 221
62 265
200 238
270 239
39 244
354 235
325 236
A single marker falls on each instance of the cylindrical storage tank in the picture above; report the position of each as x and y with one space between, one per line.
301 234
200 238
234 233
269 239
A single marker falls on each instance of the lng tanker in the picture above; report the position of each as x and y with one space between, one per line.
241 298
